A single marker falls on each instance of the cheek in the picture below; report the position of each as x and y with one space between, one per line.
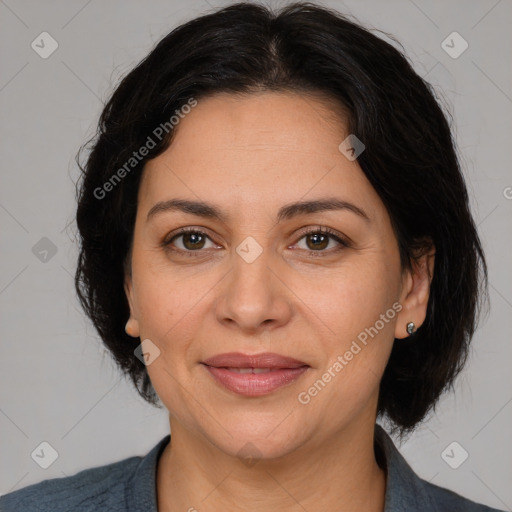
164 298
172 309
357 306
168 309
348 300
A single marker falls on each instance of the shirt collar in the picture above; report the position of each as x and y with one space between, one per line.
141 488
405 491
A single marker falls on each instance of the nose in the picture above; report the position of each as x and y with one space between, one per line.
253 297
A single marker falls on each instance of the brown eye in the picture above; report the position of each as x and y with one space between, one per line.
189 241
317 241
193 241
321 241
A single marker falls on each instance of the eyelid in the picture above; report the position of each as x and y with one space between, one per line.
187 229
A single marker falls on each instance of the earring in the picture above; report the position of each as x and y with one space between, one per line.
411 328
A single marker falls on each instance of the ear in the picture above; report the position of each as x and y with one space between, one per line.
415 292
132 325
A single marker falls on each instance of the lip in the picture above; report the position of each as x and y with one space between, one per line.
262 360
226 370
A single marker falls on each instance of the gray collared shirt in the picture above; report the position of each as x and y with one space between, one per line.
130 486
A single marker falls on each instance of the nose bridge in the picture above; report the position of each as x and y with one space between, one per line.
253 295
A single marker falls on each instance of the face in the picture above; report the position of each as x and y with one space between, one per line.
257 273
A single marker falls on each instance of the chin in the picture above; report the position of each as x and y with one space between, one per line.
249 447
258 438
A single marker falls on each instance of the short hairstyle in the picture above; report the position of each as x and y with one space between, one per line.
410 160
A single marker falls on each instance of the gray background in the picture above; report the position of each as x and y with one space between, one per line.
57 383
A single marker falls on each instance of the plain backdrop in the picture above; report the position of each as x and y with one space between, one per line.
58 385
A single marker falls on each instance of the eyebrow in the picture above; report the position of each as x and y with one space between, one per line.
286 212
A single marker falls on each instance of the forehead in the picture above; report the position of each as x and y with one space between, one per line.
269 118
264 147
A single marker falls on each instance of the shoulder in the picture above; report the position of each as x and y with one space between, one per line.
406 491
100 488
126 485
449 501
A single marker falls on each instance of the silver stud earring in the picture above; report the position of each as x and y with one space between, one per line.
411 328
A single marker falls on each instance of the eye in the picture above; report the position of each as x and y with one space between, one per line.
320 239
189 240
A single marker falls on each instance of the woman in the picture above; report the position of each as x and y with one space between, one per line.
276 243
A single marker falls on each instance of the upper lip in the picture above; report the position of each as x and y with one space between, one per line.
263 360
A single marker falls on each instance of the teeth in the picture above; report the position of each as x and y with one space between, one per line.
250 370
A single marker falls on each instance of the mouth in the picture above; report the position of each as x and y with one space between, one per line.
254 375
252 370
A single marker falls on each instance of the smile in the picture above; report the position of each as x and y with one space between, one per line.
254 374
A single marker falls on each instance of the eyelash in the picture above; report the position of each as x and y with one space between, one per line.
167 243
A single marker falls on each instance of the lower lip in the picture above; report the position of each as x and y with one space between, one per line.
255 384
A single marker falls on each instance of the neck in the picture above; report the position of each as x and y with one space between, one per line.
340 474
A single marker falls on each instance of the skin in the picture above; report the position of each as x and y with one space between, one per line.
249 156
